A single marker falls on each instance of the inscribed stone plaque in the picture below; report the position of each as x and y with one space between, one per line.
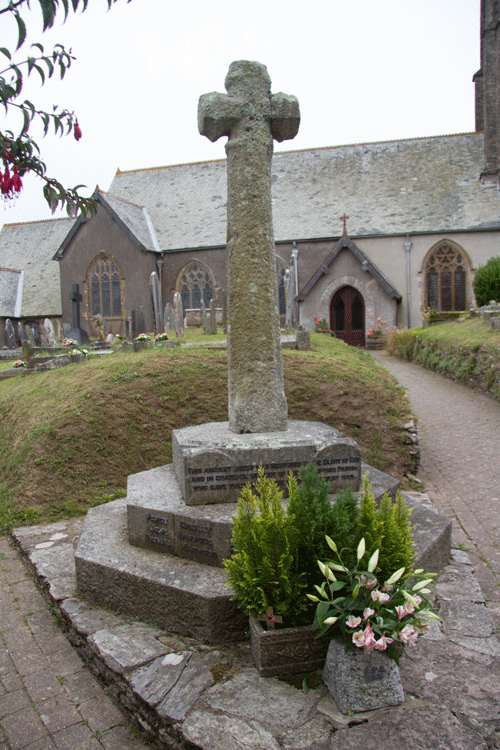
212 464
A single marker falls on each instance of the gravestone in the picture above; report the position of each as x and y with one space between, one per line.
251 117
30 335
138 322
10 334
169 317
21 334
205 322
213 317
154 283
178 316
76 332
48 334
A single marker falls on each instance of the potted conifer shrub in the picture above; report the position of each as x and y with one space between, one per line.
274 565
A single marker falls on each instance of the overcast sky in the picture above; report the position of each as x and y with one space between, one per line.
363 70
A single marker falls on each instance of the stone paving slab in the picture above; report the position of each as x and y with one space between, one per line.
186 694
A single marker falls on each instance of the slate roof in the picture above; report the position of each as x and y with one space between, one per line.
133 219
29 247
396 187
11 288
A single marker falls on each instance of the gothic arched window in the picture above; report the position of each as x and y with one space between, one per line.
195 283
104 286
445 278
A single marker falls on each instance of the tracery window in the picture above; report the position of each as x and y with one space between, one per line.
105 294
195 284
445 279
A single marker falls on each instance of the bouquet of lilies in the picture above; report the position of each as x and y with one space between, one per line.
142 337
70 342
161 337
370 614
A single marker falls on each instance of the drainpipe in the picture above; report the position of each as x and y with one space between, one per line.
295 255
408 245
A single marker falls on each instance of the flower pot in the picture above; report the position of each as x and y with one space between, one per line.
360 681
286 650
377 343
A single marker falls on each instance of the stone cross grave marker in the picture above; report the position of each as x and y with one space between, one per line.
75 298
251 117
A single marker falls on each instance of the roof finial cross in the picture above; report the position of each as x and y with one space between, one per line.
344 219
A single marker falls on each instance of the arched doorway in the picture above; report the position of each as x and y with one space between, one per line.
347 316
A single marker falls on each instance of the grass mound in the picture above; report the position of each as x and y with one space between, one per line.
466 350
69 438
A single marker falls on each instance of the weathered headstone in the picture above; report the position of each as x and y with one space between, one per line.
10 334
21 334
49 334
178 316
251 117
213 317
138 322
30 335
154 283
169 317
204 318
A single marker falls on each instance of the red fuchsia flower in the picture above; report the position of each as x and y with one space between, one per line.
6 182
77 131
17 183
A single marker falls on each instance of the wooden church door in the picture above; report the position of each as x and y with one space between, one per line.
347 316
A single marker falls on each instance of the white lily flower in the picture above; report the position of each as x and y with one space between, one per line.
422 584
331 543
361 549
395 577
373 562
330 620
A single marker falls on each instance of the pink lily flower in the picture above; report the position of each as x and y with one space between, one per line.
353 622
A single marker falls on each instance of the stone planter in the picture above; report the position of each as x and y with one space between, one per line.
360 681
378 343
286 650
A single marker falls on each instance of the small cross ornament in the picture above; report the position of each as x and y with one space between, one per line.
344 219
270 618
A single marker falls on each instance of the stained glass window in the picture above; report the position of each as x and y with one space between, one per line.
105 288
446 275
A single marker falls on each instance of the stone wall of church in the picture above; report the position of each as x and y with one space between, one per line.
102 235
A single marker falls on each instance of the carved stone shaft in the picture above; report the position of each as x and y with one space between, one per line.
251 117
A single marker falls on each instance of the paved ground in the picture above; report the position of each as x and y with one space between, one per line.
49 700
459 432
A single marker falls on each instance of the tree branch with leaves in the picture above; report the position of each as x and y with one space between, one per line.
19 152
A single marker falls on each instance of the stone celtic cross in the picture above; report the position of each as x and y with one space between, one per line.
251 117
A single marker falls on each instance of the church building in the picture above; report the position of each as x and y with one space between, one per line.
367 231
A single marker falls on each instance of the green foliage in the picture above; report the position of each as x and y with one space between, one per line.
313 518
385 528
397 549
19 152
345 524
263 570
370 525
486 282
